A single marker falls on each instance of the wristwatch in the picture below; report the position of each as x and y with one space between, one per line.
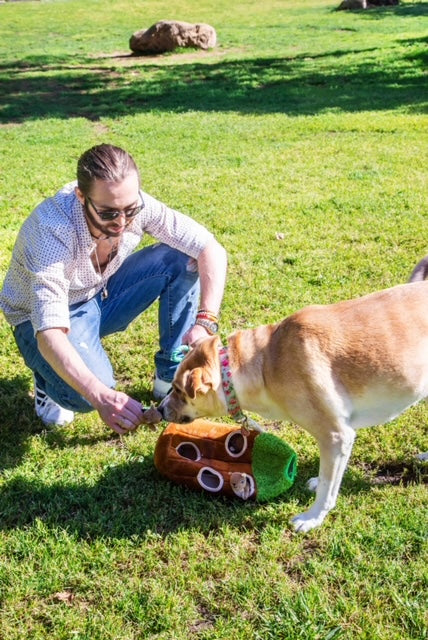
209 325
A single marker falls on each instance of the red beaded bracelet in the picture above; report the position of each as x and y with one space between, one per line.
203 313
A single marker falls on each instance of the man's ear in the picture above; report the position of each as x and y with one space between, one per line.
79 195
197 380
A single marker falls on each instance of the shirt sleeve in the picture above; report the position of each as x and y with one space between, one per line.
173 228
47 259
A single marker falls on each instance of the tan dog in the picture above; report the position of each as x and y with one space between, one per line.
331 369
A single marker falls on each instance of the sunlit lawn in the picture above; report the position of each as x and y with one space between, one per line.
300 140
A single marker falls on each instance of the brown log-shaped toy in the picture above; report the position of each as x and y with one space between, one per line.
219 459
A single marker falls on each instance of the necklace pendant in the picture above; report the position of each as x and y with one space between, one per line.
104 294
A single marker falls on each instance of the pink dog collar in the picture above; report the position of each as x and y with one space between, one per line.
233 407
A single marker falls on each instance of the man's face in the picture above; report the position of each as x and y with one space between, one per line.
106 197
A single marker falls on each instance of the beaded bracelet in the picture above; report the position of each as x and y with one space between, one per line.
209 315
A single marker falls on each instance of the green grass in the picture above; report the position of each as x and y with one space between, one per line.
303 121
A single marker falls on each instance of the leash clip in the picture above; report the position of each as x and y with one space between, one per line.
247 424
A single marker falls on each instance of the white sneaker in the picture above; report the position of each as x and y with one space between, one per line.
161 388
49 411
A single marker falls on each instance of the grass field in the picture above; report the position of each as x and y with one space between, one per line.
304 122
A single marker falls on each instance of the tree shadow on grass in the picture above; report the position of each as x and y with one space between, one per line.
42 88
130 499
16 409
133 499
19 423
403 10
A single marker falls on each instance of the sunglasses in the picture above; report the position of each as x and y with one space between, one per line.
112 214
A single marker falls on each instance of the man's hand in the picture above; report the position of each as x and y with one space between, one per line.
194 334
120 412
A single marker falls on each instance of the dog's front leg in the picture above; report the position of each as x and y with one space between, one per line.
335 449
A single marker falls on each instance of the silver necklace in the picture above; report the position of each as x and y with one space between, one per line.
104 293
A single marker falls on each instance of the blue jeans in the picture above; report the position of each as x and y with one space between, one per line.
154 272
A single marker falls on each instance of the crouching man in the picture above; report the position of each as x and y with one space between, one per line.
75 277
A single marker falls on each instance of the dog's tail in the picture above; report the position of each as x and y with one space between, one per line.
420 272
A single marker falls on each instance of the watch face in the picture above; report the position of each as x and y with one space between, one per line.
210 325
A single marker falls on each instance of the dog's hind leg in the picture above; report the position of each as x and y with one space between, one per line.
335 449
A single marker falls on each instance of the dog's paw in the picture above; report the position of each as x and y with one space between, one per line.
306 521
312 484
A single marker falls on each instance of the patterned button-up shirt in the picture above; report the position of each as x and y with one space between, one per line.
51 265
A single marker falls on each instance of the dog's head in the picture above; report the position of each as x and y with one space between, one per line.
196 389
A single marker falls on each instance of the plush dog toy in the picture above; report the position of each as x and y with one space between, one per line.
222 459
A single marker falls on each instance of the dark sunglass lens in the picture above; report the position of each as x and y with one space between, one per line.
130 213
109 215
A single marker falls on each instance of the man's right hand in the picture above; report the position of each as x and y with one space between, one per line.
119 411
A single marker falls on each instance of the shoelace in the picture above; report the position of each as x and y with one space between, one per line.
41 397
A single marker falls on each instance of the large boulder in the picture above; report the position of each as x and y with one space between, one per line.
167 35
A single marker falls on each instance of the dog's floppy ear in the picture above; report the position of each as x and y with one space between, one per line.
197 380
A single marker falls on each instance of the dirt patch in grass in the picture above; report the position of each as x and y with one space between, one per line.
395 473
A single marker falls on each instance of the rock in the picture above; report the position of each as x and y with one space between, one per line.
167 35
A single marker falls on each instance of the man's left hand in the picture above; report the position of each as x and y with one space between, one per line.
194 334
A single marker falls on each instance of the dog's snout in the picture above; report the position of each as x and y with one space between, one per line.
165 410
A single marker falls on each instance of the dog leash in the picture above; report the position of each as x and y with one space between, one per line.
177 355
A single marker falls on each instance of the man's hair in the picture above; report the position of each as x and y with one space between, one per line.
104 162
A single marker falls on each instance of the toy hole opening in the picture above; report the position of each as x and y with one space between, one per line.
236 444
290 470
210 479
188 450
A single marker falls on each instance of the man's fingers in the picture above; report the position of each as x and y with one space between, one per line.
126 424
123 414
117 429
